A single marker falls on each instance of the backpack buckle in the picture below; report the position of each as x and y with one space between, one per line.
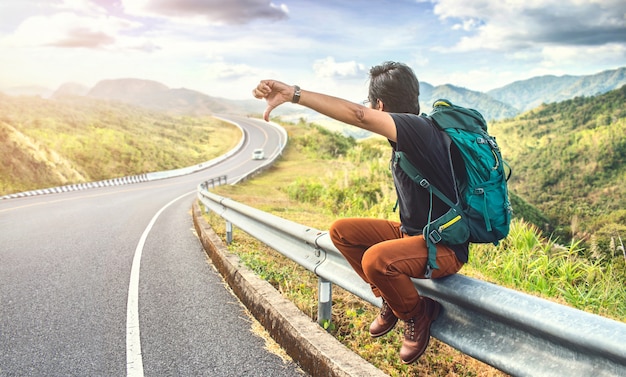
424 183
434 236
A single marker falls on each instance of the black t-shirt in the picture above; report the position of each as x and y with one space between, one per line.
426 147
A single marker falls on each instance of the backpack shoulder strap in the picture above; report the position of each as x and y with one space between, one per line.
401 160
410 170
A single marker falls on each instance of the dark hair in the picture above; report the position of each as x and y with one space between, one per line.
396 86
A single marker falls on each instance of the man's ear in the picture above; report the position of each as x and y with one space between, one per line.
381 105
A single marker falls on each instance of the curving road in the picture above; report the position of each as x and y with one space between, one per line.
112 281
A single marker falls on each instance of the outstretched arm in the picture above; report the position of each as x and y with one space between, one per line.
276 93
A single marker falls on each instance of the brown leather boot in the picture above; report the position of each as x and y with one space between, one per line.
417 331
384 322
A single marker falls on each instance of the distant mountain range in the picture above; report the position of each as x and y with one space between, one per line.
156 96
520 96
505 102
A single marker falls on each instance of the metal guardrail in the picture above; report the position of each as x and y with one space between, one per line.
214 182
80 186
516 333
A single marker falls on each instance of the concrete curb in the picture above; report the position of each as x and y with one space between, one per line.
317 352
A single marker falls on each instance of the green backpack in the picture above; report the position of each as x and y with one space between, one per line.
481 212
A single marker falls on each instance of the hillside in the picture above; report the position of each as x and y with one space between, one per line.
490 108
569 160
324 176
501 103
156 96
55 142
528 94
498 104
569 166
567 157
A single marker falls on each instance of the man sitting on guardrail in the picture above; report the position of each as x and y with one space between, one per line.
387 254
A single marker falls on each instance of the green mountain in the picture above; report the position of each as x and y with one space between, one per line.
528 94
505 102
156 96
489 107
569 160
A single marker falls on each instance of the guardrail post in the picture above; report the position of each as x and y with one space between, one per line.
325 302
229 232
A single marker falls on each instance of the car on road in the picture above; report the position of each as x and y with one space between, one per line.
258 154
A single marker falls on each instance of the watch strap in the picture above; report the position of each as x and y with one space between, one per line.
296 94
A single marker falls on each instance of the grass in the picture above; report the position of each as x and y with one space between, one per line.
307 188
351 315
45 143
527 262
321 177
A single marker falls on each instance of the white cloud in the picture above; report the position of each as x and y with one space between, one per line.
328 67
569 59
282 7
81 6
225 71
530 37
66 29
214 11
513 24
224 46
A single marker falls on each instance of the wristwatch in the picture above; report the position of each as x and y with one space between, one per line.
296 94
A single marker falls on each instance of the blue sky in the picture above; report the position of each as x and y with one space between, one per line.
223 48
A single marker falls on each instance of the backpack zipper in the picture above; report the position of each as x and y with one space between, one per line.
449 223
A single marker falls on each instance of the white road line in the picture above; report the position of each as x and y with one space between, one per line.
134 361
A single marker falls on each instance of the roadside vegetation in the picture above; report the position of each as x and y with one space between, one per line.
317 182
47 143
567 190
569 161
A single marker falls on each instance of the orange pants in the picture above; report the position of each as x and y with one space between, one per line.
387 259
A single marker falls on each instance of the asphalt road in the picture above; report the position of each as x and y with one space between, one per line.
113 281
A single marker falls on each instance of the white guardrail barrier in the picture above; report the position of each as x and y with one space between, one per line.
129 179
164 174
519 334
